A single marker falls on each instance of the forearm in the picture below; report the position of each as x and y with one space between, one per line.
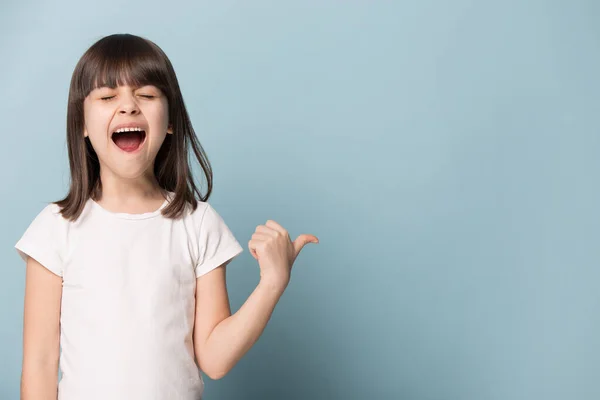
39 382
234 336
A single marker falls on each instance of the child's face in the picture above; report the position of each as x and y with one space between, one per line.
105 108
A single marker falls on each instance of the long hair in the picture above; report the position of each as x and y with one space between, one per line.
116 60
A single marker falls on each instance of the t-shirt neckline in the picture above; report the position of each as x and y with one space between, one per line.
124 215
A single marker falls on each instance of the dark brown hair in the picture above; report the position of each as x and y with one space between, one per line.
116 60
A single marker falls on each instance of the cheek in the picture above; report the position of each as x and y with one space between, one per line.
96 122
165 112
158 117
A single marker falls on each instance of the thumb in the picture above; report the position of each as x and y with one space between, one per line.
302 240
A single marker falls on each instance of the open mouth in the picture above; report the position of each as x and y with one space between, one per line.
129 141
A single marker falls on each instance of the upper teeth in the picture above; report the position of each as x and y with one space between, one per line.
128 129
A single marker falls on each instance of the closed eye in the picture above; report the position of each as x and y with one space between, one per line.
147 96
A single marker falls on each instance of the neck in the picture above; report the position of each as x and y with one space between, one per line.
130 190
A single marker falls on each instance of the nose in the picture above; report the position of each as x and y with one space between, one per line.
128 105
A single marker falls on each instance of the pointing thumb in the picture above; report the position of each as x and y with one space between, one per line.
302 240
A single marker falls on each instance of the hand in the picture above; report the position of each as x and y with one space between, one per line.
275 252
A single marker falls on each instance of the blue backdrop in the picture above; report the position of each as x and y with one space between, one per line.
445 154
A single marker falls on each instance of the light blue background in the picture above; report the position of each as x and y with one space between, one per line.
445 154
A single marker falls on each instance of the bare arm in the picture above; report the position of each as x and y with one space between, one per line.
222 339
41 326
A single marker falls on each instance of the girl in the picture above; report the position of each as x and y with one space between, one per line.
126 274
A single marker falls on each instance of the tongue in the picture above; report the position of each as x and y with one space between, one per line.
128 141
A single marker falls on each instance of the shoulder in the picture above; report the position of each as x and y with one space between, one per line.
50 216
205 216
201 207
50 223
205 219
45 238
55 210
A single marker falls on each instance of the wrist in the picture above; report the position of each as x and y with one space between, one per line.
272 285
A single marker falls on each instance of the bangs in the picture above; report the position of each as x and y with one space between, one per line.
122 60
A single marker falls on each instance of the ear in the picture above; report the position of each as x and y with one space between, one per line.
85 133
170 129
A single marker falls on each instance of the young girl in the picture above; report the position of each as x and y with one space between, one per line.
126 274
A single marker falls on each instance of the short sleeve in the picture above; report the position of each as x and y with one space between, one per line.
41 240
217 244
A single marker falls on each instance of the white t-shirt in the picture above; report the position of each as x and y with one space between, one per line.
128 297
